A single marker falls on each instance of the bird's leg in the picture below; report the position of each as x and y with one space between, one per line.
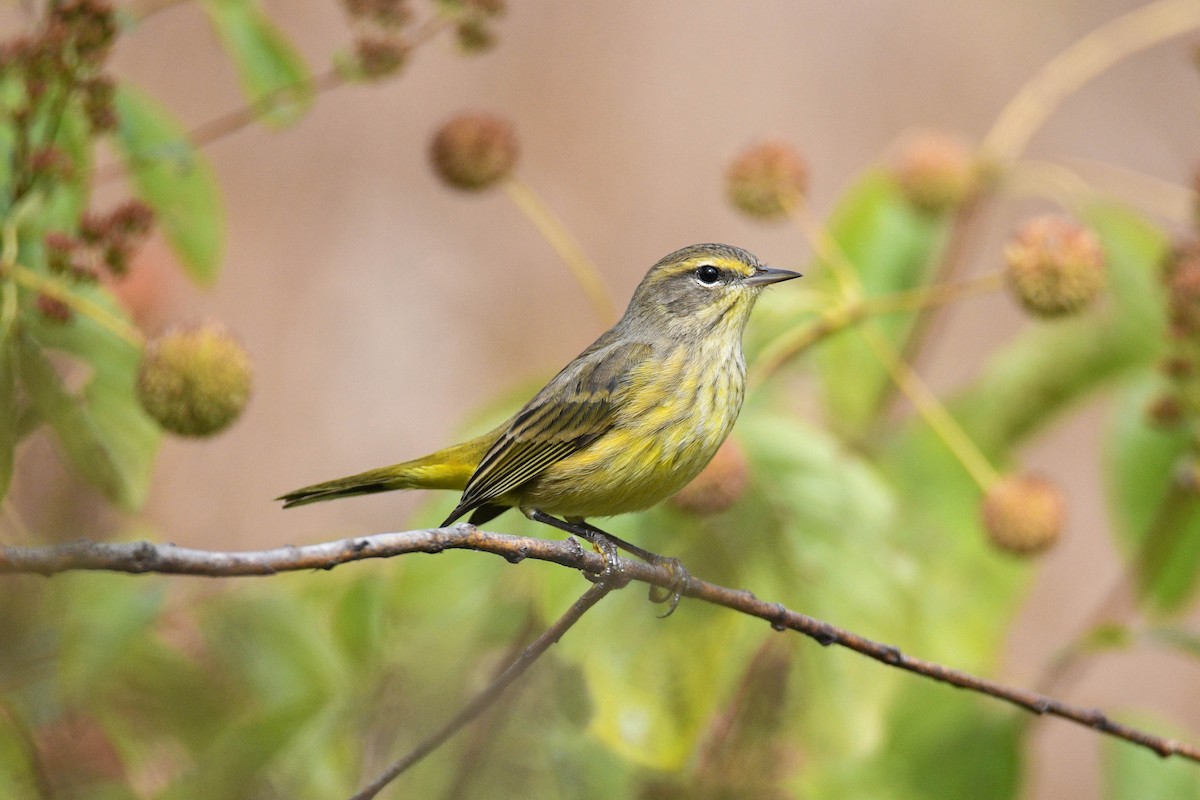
606 545
585 530
679 573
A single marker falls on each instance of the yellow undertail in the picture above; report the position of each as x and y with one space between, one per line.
446 469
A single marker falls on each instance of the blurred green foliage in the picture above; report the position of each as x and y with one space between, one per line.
302 686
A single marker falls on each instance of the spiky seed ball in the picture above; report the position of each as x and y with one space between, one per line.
475 150
1055 266
719 485
1023 514
766 180
936 172
194 380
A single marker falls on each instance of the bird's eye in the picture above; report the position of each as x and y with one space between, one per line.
708 275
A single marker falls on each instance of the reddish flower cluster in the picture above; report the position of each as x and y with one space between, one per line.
1180 401
380 50
104 242
76 38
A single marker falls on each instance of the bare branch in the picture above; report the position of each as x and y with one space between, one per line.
143 557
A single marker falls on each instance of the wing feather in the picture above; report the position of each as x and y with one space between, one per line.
575 409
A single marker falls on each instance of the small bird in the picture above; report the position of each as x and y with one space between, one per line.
628 423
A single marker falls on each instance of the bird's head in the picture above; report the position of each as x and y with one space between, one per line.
702 288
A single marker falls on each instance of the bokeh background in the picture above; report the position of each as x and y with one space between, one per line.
382 309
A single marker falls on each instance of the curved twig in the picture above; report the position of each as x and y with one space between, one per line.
485 698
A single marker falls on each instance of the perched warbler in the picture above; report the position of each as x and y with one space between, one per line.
629 422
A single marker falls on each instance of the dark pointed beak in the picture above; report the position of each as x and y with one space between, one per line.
767 275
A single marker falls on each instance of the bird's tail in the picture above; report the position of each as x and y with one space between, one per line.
446 469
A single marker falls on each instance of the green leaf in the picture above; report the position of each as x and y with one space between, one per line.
68 416
102 625
1157 519
1054 364
272 73
652 702
944 745
128 437
172 177
1135 773
892 246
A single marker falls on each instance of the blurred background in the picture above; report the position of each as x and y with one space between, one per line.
382 310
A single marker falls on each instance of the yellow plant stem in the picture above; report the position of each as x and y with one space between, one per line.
62 292
1083 61
23 276
553 230
845 315
932 410
8 309
906 379
826 249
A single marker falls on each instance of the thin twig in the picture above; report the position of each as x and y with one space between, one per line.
1074 67
906 379
486 733
217 128
490 693
143 557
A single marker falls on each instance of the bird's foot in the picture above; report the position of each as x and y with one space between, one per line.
679 583
613 576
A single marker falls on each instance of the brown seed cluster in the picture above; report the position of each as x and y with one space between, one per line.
719 485
105 243
474 151
380 48
382 43
65 56
389 14
936 172
1179 401
767 180
1023 514
1055 267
